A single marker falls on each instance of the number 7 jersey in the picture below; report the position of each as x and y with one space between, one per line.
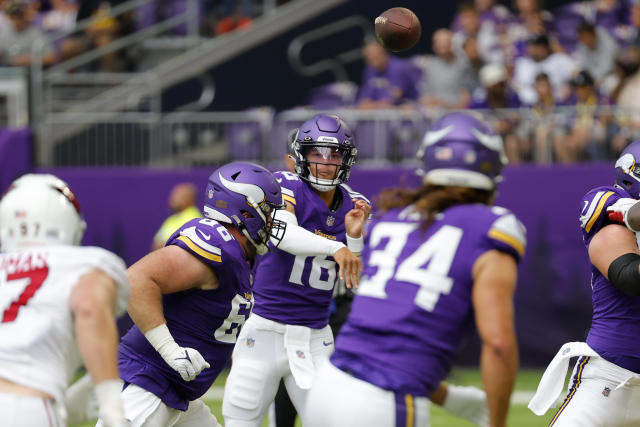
413 304
37 339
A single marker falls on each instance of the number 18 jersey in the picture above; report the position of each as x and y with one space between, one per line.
297 290
37 339
413 304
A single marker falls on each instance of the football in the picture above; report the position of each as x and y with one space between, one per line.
397 29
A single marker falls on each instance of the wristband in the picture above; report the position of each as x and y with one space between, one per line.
161 339
355 245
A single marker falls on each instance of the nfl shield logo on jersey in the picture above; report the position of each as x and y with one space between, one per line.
300 354
330 220
250 342
606 392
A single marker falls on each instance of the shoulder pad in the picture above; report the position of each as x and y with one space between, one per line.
289 185
202 237
508 230
594 205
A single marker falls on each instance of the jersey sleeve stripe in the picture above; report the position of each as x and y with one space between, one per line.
598 210
508 239
195 248
288 199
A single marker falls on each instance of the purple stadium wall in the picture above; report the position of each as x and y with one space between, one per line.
124 207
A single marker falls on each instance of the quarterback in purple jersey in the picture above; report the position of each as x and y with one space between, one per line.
287 334
190 299
606 379
434 258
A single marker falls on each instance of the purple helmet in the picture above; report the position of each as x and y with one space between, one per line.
628 170
461 150
246 195
329 137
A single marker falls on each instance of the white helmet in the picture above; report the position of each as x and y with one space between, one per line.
37 210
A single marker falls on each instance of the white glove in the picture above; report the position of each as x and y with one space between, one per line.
620 210
109 403
188 362
467 402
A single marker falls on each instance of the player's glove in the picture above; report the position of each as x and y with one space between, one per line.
110 406
619 211
467 402
188 362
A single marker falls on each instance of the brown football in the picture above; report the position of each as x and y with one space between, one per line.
398 29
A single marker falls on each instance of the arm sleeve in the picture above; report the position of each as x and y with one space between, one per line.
298 241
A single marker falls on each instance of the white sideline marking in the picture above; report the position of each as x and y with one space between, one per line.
517 398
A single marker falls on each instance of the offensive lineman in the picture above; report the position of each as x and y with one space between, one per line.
58 304
605 384
190 299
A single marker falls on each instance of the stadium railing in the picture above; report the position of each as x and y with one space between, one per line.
383 137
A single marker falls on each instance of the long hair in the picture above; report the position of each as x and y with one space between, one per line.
431 199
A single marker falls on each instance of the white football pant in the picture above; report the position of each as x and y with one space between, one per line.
265 352
145 409
29 411
338 400
600 394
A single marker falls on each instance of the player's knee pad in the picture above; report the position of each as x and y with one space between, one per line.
247 383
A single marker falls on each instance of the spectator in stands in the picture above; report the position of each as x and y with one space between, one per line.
60 18
234 14
387 81
530 21
182 201
20 35
499 99
490 11
558 66
540 132
585 130
596 51
610 15
468 25
442 74
474 64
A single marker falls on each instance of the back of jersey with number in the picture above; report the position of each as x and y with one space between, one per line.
37 339
615 326
414 301
297 290
207 320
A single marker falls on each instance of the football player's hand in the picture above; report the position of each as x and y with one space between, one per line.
188 362
349 267
355 219
467 402
619 210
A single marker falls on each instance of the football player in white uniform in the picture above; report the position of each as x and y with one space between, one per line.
58 304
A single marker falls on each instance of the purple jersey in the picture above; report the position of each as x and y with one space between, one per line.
615 326
413 304
297 290
207 320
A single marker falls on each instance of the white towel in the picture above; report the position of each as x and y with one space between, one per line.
552 381
297 343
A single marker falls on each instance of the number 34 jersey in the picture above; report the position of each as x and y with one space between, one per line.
297 290
37 339
413 304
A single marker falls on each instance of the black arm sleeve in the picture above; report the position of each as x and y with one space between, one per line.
624 274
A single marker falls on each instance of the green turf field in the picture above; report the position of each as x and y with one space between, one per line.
519 414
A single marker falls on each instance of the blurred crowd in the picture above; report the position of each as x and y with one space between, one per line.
550 81
24 22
